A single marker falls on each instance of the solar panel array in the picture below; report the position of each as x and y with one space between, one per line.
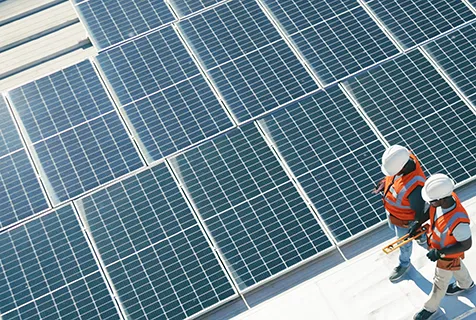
212 146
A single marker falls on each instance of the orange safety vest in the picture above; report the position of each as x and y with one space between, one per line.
396 192
440 233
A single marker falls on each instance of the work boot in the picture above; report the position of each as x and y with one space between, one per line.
423 315
398 273
453 289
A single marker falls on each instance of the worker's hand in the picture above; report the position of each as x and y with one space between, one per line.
434 254
414 229
379 186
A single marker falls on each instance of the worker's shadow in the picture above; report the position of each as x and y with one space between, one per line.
452 306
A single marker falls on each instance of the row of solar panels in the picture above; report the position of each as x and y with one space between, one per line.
247 187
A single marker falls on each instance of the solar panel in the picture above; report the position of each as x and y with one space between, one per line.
47 271
411 104
67 118
456 54
20 191
413 22
250 64
255 214
334 155
146 65
158 258
177 117
186 7
9 138
167 101
113 21
337 45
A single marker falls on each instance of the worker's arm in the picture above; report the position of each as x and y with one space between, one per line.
418 205
462 233
458 247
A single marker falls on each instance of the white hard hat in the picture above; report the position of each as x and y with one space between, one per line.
394 159
437 186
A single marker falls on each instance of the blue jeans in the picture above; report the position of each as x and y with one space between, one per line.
405 250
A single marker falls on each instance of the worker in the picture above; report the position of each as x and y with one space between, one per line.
401 194
449 236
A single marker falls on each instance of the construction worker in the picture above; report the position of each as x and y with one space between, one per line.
449 236
401 194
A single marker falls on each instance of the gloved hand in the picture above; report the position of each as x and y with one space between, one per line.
414 228
434 254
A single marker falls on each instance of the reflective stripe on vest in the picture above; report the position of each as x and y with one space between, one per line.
400 195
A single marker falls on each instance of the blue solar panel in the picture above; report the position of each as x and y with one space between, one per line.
76 134
335 155
112 21
20 193
252 67
343 45
186 7
60 101
9 138
411 104
48 272
158 258
72 163
413 22
456 54
177 117
255 214
147 65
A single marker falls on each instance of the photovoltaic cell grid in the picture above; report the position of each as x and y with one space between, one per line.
20 191
167 101
158 258
413 22
456 54
295 16
334 155
253 211
49 105
47 271
177 117
340 42
146 65
112 21
185 7
9 138
250 64
75 132
412 105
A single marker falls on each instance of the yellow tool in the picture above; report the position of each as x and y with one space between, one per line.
405 239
